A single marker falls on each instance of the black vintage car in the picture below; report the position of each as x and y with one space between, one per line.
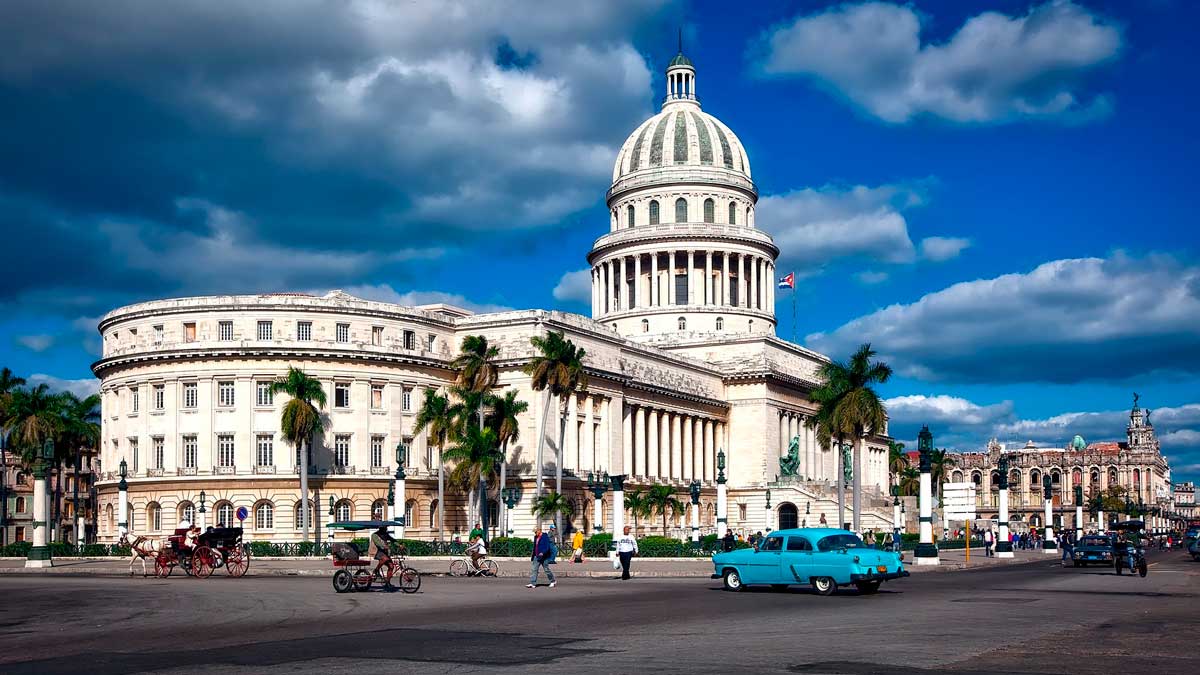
1094 549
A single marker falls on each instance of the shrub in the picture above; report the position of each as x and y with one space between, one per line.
511 546
598 544
263 549
17 549
661 547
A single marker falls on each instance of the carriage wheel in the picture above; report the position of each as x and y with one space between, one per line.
237 561
204 561
489 568
185 564
163 566
342 581
410 580
362 580
458 568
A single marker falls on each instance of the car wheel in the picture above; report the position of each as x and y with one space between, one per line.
824 585
732 580
868 587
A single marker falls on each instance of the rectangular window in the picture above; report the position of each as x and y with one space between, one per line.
265 450
190 396
160 396
264 330
377 451
133 455
225 330
406 405
410 339
377 397
225 450
341 395
377 335
133 400
225 394
189 452
343 332
304 331
681 289
431 342
264 396
189 332
158 334
341 450
160 454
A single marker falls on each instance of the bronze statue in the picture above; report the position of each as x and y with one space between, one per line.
789 464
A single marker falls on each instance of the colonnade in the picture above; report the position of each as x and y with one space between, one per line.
589 428
662 444
724 278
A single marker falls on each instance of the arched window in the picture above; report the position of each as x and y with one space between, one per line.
645 325
187 511
720 323
379 509
1095 479
410 513
957 477
1014 479
224 513
21 505
681 210
733 213
433 514
653 211
264 516
789 516
977 478
1112 477
710 211
299 515
748 220
750 325
153 517
682 323
629 216
995 480
343 511
493 513
108 517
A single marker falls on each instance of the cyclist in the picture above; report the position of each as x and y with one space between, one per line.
380 542
478 551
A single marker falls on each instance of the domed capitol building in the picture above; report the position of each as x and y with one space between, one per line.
682 360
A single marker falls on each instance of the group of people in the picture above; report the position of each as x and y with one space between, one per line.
545 548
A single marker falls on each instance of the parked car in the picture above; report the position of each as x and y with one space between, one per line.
1094 548
1194 549
822 557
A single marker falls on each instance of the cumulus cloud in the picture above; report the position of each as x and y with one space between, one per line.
82 388
995 68
574 287
1066 321
385 293
940 249
871 277
36 343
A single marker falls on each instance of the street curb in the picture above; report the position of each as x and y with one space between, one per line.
566 574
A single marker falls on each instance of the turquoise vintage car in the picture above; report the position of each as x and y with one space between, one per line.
823 557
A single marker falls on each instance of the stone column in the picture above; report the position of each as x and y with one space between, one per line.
691 280
672 297
626 438
1101 524
696 519
1078 522
742 286
783 433
708 281
637 282
685 440
770 284
1049 546
927 552
399 511
708 449
654 281
1003 545
618 504
623 298
698 464
676 446
39 555
639 441
570 451
752 294
587 442
724 279
653 432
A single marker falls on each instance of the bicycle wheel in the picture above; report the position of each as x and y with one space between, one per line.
410 580
489 568
458 568
342 581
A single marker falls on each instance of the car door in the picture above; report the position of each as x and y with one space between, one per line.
798 563
764 567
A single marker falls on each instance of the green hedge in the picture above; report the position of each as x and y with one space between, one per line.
517 547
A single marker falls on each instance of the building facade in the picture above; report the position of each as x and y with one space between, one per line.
682 359
1135 464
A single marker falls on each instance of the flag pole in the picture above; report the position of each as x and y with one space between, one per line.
794 316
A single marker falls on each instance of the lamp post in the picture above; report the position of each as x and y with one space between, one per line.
768 511
1078 512
39 555
1049 546
896 517
722 492
203 512
1003 538
694 490
618 506
328 529
123 499
79 526
399 501
927 551
598 486
511 496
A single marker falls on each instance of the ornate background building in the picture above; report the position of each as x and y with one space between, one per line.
682 360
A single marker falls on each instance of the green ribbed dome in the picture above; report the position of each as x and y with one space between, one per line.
1078 443
680 60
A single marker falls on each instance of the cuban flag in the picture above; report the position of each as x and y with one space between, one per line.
789 281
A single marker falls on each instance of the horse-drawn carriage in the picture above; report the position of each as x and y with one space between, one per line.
216 547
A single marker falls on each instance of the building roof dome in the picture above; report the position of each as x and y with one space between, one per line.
682 135
1078 443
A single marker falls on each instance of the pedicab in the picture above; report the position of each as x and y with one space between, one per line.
356 573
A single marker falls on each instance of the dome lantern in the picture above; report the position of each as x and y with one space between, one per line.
681 77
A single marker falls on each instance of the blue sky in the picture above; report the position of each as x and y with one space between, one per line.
995 194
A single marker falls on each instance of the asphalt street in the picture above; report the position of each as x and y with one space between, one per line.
1036 618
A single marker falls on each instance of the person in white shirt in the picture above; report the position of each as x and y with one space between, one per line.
478 551
626 548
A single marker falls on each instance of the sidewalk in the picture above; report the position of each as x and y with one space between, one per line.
509 567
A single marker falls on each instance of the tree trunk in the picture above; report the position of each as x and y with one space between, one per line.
541 465
441 496
503 525
305 511
858 443
841 485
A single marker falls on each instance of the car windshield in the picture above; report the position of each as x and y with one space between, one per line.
1095 541
837 541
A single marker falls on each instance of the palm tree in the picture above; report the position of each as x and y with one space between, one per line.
436 416
551 504
477 455
659 499
80 435
8 382
910 481
859 410
503 420
557 368
31 417
638 506
477 374
299 421
897 463
827 396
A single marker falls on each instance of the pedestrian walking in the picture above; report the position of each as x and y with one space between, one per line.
987 544
553 535
626 548
541 553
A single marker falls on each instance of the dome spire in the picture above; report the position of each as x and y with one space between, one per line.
681 77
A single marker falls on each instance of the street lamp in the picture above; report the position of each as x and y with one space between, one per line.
39 555
203 511
1049 545
1078 512
694 491
398 501
768 514
597 486
510 495
926 552
722 496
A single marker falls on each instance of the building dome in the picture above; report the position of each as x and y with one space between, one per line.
1078 443
681 135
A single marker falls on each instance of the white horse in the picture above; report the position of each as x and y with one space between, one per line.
141 548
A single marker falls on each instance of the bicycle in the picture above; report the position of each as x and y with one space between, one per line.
463 567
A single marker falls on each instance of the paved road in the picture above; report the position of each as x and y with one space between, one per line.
1035 617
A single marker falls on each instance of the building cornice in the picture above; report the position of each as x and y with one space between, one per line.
687 235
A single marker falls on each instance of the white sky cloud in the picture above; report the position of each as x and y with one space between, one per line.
993 68
37 343
385 293
940 249
574 287
82 388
